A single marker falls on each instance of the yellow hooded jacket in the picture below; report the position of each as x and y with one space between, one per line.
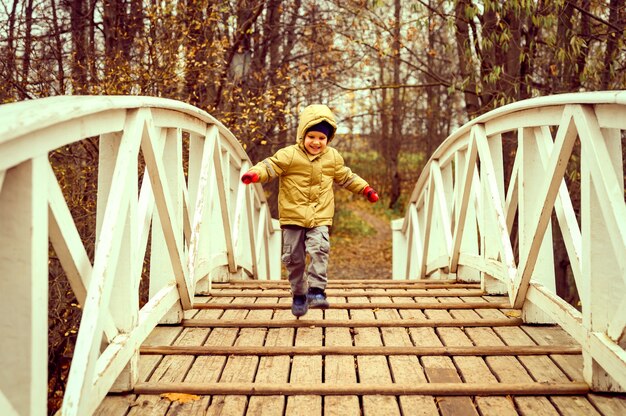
305 196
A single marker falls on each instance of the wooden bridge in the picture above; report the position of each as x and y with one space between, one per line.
471 323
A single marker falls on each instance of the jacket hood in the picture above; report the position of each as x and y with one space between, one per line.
312 115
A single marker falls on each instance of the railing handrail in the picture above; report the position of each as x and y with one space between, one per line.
466 214
601 97
201 221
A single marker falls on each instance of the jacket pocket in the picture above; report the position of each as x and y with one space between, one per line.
286 256
325 243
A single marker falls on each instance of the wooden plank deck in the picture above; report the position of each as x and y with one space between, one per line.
383 348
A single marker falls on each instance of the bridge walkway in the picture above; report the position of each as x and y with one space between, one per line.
384 347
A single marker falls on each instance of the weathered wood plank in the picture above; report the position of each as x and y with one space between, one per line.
543 369
509 370
475 370
352 284
368 305
550 335
239 369
450 351
286 293
609 405
207 369
442 370
339 369
407 369
273 369
172 369
356 323
307 370
368 389
372 369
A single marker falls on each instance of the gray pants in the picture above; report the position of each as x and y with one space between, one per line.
297 243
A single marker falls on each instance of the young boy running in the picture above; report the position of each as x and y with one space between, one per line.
306 203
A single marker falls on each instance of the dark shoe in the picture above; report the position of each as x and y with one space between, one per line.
299 305
317 298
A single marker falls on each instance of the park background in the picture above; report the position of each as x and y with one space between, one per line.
400 76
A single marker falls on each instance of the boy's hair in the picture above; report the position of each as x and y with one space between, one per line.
322 127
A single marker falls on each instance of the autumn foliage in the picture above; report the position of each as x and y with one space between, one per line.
401 76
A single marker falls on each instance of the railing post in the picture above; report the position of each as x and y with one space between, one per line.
469 240
531 176
491 164
125 292
600 262
24 287
399 255
161 271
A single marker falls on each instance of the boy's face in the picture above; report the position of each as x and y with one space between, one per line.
315 142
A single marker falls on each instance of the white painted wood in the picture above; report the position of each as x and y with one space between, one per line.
82 371
251 246
126 278
400 256
561 312
168 147
532 174
6 408
166 210
444 235
495 239
24 287
605 172
428 205
121 350
565 138
225 208
491 267
261 240
64 132
108 288
602 260
239 212
511 201
467 161
611 358
275 247
565 214
201 196
535 192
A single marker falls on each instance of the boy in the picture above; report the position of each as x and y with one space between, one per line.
306 202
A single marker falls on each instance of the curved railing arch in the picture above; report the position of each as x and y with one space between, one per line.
201 223
468 217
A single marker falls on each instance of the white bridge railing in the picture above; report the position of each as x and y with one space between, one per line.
469 216
168 175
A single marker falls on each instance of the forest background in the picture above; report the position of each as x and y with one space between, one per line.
400 76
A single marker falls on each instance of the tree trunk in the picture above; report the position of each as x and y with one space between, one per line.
10 67
79 49
59 49
28 46
122 22
396 120
463 47
612 41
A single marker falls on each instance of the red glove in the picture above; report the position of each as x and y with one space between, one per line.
370 194
249 177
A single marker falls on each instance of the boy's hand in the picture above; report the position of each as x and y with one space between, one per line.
370 194
250 177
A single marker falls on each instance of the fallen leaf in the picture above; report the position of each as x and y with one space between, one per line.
180 397
513 314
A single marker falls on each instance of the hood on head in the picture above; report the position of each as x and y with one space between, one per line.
312 115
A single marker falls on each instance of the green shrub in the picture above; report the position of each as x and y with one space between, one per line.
347 224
